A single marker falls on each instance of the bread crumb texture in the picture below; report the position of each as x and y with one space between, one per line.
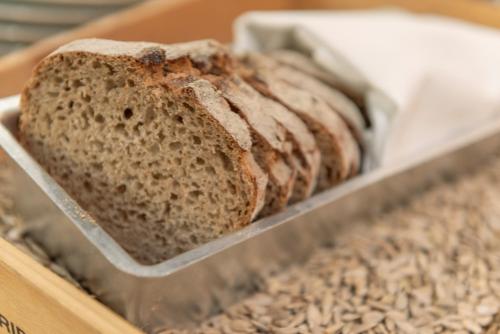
163 165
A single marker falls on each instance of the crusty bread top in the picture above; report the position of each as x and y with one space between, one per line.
153 54
337 101
302 63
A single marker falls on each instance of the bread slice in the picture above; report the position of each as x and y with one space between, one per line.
346 109
215 61
305 152
270 147
339 150
304 64
161 162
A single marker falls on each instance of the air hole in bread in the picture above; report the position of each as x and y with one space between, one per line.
161 136
196 140
128 113
158 176
226 162
87 185
137 127
166 211
231 187
195 193
110 68
121 188
99 118
77 83
176 145
97 166
120 129
188 106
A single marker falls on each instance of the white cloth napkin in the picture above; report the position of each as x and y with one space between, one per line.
443 75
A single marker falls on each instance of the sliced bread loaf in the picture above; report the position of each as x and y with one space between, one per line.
215 61
304 64
270 147
160 161
346 109
305 152
340 155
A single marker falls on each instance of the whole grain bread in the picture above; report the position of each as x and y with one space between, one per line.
339 102
158 158
214 60
305 151
303 63
340 154
270 145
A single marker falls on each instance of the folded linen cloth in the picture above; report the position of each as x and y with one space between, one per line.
426 79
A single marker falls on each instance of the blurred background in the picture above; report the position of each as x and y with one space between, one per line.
30 29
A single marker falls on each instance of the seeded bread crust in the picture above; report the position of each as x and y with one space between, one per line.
213 59
339 150
70 125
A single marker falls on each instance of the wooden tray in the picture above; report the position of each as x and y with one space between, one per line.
33 300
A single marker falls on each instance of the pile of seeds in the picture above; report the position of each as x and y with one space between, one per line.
432 266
